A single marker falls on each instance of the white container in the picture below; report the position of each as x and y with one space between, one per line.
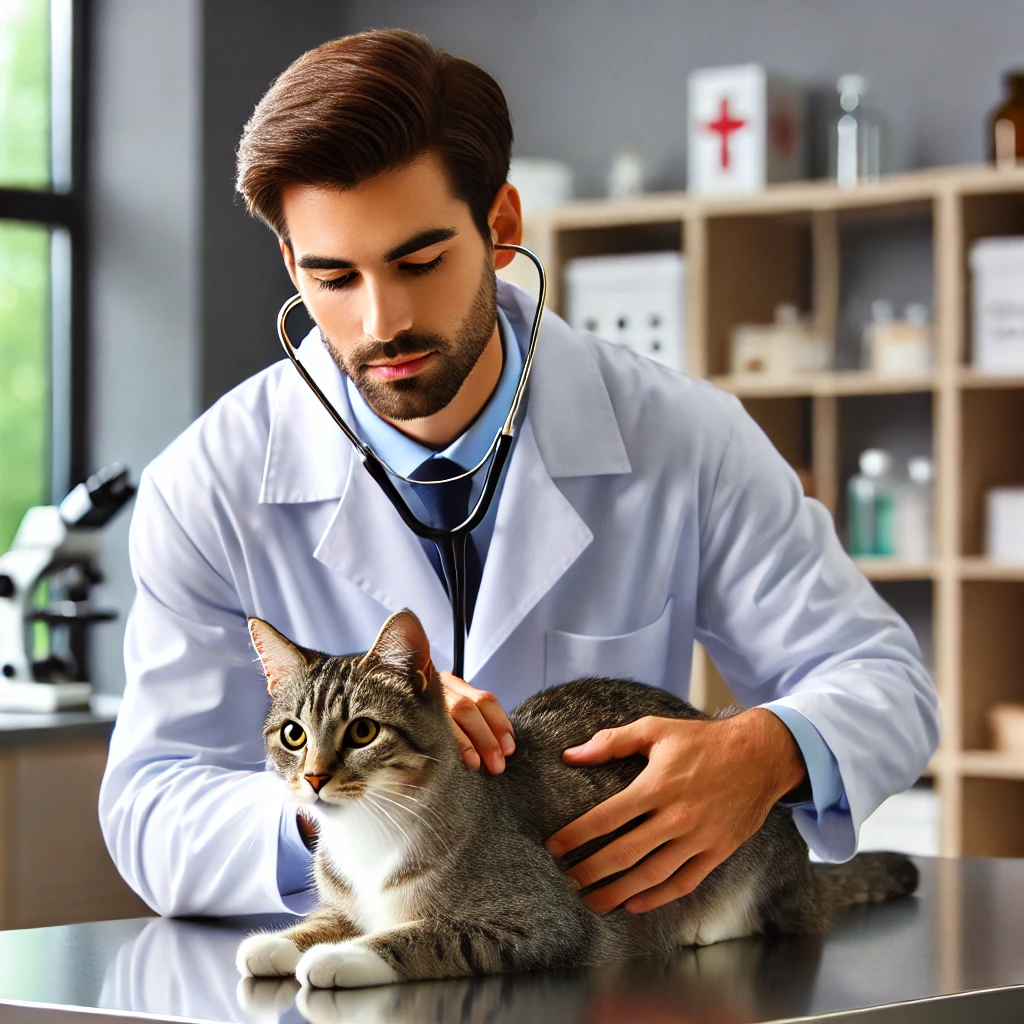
745 128
997 268
634 300
894 347
1004 524
540 183
784 348
914 512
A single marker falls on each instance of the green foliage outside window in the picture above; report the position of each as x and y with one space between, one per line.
24 263
25 93
24 371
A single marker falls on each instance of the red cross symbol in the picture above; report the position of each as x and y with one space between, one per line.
724 126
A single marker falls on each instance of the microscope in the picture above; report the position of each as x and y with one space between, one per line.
45 579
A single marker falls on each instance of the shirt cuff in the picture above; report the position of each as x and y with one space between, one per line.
294 861
822 768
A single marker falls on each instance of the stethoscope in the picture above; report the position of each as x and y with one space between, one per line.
450 544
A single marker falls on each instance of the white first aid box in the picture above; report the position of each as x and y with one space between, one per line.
997 272
745 128
635 300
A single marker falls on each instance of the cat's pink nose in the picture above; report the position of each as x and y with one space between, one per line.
316 781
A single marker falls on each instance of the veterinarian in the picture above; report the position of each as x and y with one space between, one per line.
641 510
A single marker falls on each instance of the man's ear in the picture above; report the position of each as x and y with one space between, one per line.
289 260
282 660
505 221
402 645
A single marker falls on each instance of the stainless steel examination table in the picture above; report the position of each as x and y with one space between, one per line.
953 952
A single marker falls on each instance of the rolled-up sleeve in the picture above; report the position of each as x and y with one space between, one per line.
792 624
193 821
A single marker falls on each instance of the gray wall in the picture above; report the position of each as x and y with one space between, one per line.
585 78
144 179
246 44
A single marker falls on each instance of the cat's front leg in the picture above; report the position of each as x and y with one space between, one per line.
277 954
424 950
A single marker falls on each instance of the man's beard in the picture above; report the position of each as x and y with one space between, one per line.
430 390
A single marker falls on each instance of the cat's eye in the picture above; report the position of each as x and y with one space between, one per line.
293 736
362 731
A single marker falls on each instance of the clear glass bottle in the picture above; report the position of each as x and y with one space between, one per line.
856 135
870 505
914 512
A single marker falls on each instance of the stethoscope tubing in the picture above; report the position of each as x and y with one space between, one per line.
450 544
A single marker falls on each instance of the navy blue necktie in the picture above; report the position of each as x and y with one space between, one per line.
448 505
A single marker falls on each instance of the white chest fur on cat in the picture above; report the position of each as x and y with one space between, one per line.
366 846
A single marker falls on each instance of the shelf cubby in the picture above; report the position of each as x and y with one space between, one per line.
993 817
992 651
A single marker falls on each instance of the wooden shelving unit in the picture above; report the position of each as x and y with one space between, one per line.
746 254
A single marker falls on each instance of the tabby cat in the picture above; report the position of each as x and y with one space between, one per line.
425 869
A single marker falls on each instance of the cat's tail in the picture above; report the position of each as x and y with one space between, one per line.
868 878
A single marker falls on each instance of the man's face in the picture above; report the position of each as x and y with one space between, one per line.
400 282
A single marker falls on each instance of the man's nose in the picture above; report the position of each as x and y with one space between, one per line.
387 312
317 781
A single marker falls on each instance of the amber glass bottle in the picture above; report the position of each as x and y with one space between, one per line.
1006 125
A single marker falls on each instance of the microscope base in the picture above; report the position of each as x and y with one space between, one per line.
44 697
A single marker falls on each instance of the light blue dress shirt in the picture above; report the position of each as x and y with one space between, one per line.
404 455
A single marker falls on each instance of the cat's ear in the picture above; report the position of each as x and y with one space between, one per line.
281 659
402 645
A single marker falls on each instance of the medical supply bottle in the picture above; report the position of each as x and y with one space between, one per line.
1006 124
870 503
856 135
914 511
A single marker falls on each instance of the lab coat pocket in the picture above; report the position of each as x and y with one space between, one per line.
640 655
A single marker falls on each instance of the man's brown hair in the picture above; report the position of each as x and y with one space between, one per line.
368 103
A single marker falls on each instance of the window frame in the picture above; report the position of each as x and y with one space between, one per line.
64 209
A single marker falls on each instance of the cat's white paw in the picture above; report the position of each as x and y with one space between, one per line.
267 956
343 965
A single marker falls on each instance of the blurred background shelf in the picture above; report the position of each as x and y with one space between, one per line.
800 244
896 569
979 568
845 382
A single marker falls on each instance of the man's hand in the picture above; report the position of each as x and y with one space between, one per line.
482 729
707 787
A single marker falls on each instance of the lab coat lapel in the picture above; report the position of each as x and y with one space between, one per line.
367 543
570 431
537 536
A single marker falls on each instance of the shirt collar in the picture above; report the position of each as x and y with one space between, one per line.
404 455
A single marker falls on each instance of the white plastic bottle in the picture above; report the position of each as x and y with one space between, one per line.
914 512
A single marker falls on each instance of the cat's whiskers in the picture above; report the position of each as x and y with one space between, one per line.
383 811
416 753
416 815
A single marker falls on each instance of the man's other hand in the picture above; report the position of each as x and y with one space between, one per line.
482 729
707 787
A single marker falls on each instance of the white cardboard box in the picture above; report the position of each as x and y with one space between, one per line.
746 128
635 300
997 269
1004 524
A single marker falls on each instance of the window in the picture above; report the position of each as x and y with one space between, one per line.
41 245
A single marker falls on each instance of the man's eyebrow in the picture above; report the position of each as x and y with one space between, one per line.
425 238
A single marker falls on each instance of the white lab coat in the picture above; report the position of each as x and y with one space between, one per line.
642 510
